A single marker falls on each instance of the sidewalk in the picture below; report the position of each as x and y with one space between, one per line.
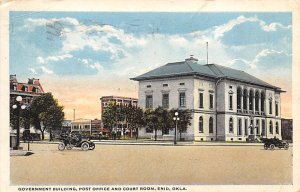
20 153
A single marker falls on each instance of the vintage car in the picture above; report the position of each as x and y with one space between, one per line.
69 141
274 142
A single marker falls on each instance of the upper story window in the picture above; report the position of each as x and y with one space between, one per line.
211 101
165 85
230 86
276 108
200 100
230 102
181 83
165 100
14 87
148 86
182 99
149 102
270 106
25 88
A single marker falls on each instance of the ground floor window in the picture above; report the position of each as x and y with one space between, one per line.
201 124
246 126
231 125
211 125
240 127
277 128
271 127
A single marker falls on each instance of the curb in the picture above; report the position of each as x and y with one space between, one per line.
20 153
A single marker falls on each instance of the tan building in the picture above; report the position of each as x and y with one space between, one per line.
86 126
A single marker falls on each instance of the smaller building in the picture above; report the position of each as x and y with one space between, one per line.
86 126
66 126
118 100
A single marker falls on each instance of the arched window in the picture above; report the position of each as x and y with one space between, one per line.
245 95
262 102
239 98
271 127
201 124
246 127
231 125
256 101
240 127
277 128
211 125
251 96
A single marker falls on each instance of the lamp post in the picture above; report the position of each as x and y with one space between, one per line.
176 118
18 107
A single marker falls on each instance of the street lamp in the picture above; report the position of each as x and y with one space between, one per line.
18 106
176 118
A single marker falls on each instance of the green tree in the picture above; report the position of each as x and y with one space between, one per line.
135 118
109 116
151 121
41 110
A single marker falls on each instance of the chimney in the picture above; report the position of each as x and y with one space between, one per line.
192 59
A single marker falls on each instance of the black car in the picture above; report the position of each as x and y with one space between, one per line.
274 142
69 141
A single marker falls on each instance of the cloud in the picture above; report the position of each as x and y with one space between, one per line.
41 60
45 70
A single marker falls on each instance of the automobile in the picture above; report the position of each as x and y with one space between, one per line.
275 142
68 141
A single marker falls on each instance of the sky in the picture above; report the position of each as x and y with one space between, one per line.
82 56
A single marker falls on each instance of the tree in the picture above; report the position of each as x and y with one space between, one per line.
151 121
185 118
45 110
109 116
135 118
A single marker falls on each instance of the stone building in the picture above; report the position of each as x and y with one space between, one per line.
226 104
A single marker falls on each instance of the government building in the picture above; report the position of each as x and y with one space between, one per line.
226 104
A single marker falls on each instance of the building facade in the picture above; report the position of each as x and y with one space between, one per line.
27 90
226 104
86 126
118 100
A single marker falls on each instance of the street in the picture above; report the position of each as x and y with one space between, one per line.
140 164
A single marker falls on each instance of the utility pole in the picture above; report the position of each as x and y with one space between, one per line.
73 114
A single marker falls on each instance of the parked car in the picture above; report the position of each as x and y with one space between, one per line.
69 141
274 142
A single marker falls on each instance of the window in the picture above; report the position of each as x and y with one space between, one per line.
270 106
231 125
230 87
240 127
25 88
251 100
256 100
262 102
181 83
230 102
165 85
211 101
148 86
251 127
182 99
271 127
149 101
200 124
245 95
246 126
263 128
238 98
86 127
257 127
200 100
277 128
14 87
276 109
211 125
165 100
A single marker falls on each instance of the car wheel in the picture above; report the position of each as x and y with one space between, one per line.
286 146
61 146
85 146
272 146
92 146
265 147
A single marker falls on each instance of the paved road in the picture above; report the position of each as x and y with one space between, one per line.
131 164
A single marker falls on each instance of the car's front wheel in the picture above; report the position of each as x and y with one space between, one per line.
286 146
272 146
85 146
